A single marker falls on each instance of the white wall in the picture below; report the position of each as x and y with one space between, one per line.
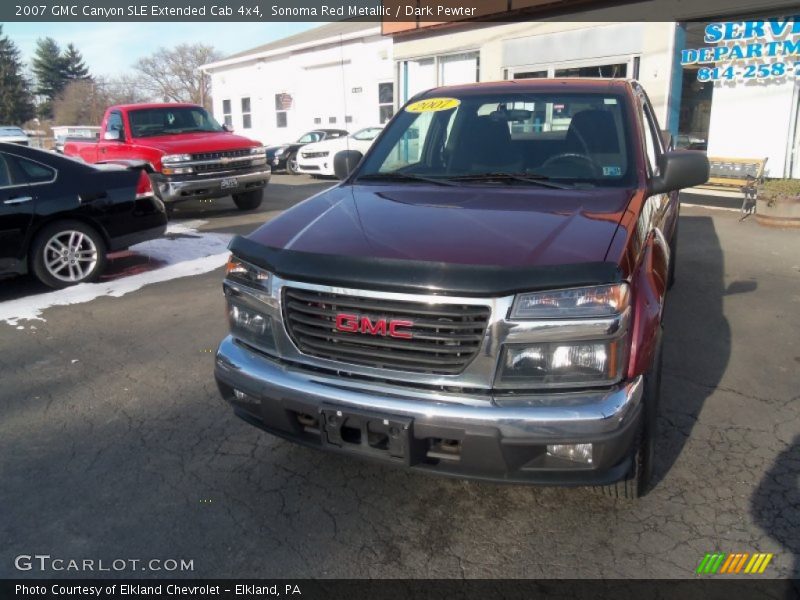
752 120
565 42
320 80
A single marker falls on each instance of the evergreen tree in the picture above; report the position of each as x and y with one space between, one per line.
74 67
16 102
48 67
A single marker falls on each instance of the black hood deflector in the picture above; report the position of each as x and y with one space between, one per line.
412 276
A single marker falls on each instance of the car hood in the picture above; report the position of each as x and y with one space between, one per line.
331 145
190 143
470 224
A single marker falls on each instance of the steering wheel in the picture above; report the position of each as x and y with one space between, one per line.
574 157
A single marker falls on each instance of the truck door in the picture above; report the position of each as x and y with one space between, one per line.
113 145
16 214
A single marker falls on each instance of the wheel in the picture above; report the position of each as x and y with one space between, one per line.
291 164
67 253
248 200
635 484
673 258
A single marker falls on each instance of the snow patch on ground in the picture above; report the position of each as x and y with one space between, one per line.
185 250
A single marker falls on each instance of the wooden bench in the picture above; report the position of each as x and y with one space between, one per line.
734 172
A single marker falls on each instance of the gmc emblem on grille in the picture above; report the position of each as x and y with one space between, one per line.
359 324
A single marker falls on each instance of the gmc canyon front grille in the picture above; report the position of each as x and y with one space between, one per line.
388 334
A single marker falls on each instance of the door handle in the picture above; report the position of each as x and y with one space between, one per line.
20 200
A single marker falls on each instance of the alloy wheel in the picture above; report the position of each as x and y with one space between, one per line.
70 256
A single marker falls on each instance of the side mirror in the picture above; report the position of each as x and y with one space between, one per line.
345 161
680 169
228 128
112 135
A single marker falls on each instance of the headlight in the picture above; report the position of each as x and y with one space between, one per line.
258 151
279 151
174 158
250 325
249 275
598 301
562 364
166 170
249 311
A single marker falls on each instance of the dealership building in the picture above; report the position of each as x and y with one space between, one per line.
721 78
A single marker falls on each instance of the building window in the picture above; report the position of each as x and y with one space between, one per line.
226 113
385 102
432 71
348 119
283 102
317 120
615 71
331 120
247 121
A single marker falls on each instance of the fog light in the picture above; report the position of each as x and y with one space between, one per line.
581 453
244 398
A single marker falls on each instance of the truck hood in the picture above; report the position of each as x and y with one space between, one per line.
190 143
472 224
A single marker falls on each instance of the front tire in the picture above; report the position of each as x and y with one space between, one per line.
67 253
636 483
291 164
249 200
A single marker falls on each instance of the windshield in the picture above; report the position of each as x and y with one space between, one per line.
9 131
366 134
169 120
310 137
569 138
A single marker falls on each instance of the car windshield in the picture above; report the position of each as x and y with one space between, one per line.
310 137
9 131
368 133
147 122
518 138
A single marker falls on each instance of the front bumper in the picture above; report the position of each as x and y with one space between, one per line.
176 189
507 444
315 166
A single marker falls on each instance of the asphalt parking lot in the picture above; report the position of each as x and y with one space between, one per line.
115 444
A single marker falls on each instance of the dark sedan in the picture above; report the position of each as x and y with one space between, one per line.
284 156
59 217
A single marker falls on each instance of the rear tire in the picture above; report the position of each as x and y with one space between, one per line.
249 200
67 253
636 483
291 164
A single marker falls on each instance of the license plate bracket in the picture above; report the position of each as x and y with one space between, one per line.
365 432
229 183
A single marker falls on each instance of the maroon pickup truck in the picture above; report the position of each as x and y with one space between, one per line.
481 296
187 153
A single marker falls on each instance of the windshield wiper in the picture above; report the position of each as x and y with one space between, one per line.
540 180
397 176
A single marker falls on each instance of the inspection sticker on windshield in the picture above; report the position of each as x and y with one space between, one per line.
612 171
432 105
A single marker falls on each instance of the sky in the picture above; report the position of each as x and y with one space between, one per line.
111 48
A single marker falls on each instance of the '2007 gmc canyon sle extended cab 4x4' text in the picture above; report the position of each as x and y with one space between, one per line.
481 296
186 152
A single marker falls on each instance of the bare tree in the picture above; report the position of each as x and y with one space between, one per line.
174 75
81 102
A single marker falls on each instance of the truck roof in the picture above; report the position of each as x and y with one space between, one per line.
142 105
565 84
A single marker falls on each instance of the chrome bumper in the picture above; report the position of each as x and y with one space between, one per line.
176 190
544 418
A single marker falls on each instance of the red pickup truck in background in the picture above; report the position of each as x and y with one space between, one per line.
187 153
